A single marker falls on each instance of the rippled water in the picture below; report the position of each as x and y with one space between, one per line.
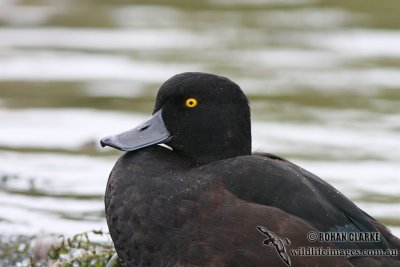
323 79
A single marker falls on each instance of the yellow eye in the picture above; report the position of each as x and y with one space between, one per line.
191 102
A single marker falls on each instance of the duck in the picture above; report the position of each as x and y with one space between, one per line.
189 191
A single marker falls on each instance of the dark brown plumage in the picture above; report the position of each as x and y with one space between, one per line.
200 203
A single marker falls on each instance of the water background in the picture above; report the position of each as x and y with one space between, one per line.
323 78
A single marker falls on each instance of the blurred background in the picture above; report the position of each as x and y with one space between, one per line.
323 78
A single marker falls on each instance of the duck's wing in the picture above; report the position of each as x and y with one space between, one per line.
273 181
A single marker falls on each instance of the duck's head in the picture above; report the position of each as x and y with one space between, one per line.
202 116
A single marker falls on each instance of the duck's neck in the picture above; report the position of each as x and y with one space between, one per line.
216 147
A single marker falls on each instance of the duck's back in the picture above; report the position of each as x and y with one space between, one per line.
273 181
